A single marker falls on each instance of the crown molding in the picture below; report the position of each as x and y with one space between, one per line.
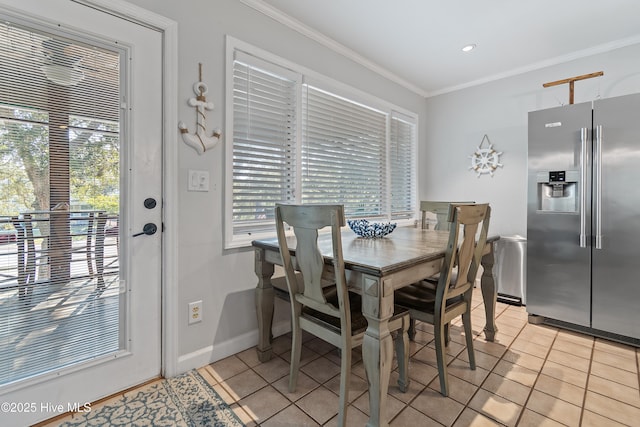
328 42
595 50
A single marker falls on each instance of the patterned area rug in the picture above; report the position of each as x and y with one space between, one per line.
186 400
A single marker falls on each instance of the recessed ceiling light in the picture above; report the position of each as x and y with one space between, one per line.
469 48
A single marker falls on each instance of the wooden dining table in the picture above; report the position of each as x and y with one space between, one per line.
375 268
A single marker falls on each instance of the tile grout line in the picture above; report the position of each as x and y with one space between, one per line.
291 403
586 386
466 405
409 403
426 386
582 407
533 385
638 368
595 392
295 403
492 371
589 375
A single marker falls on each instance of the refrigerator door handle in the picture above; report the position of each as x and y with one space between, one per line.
584 137
598 186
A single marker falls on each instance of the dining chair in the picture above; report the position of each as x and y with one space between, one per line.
452 295
94 245
26 252
441 212
333 314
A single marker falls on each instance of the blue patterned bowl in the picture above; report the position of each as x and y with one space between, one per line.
364 228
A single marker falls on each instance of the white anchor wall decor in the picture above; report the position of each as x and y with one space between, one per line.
200 141
485 160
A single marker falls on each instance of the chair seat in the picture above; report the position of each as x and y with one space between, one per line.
280 286
421 296
432 281
358 321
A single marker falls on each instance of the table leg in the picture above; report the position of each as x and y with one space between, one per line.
377 346
489 294
264 305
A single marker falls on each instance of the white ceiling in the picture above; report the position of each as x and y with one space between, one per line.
417 43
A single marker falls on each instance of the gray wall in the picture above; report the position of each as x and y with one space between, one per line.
224 280
456 123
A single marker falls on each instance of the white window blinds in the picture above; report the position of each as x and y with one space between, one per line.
343 154
402 162
264 126
298 139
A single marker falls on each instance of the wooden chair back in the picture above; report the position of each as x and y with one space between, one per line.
306 221
440 210
464 251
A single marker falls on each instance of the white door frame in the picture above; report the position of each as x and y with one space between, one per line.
165 355
169 308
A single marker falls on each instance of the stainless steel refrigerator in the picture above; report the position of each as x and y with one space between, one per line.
583 216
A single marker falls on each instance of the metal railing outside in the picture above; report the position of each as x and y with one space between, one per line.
57 245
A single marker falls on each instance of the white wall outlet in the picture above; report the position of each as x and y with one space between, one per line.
198 181
195 312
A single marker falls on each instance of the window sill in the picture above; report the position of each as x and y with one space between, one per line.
244 241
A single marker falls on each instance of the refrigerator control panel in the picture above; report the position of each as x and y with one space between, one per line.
558 191
558 176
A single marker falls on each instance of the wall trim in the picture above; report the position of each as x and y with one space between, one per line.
315 35
221 350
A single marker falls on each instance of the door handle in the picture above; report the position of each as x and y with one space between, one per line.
148 229
584 137
598 186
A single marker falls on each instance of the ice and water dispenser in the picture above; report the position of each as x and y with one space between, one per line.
558 191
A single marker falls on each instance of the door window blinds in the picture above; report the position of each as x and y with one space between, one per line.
59 194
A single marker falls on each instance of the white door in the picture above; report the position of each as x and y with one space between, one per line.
138 356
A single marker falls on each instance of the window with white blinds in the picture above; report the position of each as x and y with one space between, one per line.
298 142
344 154
59 201
402 163
264 127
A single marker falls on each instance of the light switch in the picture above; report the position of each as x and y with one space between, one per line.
198 181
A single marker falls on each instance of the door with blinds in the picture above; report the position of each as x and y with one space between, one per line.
80 205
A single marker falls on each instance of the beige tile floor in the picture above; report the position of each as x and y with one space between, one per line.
531 375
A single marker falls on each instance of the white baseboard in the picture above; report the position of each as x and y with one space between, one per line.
204 356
